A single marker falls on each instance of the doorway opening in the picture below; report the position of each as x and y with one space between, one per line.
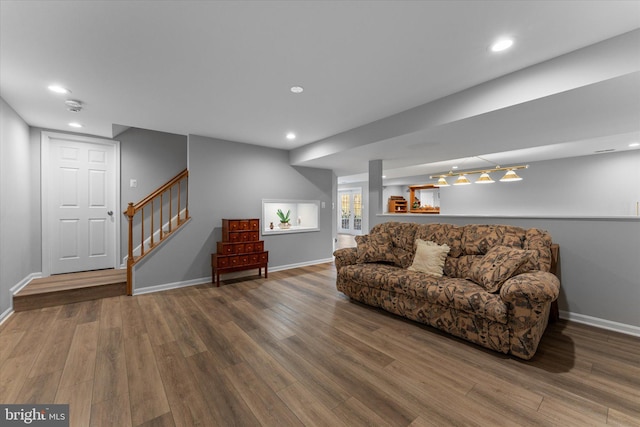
350 212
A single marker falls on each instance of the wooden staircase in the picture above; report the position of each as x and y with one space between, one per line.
69 288
167 209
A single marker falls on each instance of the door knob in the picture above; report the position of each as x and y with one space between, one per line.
110 213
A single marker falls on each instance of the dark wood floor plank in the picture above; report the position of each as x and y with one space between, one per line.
40 389
175 309
111 370
39 328
54 348
189 407
81 360
146 390
110 313
274 374
261 320
307 408
112 412
265 405
325 390
354 413
155 320
217 343
78 397
225 402
8 341
14 373
132 318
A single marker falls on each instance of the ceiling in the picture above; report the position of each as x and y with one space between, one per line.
223 69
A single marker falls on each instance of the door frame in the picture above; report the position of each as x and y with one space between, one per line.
45 170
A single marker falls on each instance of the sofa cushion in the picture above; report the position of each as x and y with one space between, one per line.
459 267
478 239
395 279
429 257
376 247
460 294
469 297
498 265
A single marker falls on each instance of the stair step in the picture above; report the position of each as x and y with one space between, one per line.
70 288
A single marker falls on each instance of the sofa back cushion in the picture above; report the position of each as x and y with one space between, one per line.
538 241
467 243
442 234
478 239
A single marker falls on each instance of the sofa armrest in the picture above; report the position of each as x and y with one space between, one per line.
345 256
530 289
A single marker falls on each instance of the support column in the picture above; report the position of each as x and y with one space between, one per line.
375 191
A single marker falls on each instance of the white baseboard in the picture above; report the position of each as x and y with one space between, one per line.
176 285
168 286
14 290
24 282
7 313
300 264
609 325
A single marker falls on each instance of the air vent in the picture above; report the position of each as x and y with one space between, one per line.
73 105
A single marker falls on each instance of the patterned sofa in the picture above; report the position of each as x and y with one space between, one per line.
496 289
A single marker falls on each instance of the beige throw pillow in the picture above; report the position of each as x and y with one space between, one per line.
429 258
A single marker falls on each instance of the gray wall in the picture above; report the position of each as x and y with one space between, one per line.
599 256
597 185
152 158
229 180
18 255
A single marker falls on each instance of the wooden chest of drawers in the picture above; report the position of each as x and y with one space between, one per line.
240 248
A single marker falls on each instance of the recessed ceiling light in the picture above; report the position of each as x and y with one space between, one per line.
58 89
75 125
296 89
454 167
502 44
291 136
634 144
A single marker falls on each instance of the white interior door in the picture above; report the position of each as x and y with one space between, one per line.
82 209
350 213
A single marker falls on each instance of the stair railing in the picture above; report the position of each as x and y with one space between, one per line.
155 218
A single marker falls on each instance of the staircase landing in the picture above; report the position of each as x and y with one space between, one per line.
69 288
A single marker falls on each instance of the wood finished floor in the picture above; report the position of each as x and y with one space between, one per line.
291 350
